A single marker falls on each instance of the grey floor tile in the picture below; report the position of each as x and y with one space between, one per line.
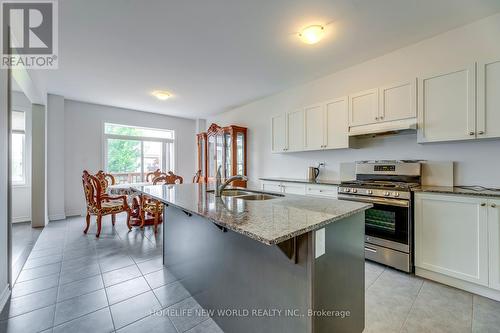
186 314
440 308
95 322
79 273
79 287
171 293
24 304
160 278
150 324
44 253
486 315
122 291
111 263
76 263
38 272
121 275
31 322
150 266
79 306
388 301
37 262
372 273
134 308
208 326
31 286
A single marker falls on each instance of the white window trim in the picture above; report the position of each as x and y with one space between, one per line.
27 146
141 139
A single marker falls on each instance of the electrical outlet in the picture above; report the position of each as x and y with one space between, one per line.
321 164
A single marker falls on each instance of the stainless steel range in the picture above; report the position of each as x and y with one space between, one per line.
389 224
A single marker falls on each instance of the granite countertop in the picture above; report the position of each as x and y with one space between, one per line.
304 181
469 190
267 221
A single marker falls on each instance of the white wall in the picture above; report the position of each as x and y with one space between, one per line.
4 262
55 157
21 194
39 215
477 162
84 143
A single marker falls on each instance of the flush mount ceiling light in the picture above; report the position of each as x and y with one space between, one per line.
161 94
312 34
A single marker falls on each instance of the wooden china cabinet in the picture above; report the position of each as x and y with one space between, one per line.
222 146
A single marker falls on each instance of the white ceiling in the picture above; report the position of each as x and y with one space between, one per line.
217 54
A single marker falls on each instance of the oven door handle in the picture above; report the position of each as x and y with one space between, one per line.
380 201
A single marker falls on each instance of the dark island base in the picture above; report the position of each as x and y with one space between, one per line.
253 287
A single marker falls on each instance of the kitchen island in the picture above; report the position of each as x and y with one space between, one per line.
266 262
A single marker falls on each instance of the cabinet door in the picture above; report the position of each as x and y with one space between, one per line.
295 130
363 108
315 125
488 99
446 107
336 123
294 188
397 101
271 186
494 242
329 191
278 133
451 236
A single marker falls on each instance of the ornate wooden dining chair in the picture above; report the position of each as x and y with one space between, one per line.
105 180
150 209
197 177
101 204
150 176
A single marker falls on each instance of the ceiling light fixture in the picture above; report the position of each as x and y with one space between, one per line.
312 34
161 94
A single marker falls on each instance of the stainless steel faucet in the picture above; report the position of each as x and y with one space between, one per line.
219 186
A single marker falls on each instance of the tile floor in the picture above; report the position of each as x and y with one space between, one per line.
76 283
23 239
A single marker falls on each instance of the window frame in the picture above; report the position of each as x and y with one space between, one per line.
141 139
26 147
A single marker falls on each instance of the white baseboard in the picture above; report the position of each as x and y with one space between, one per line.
56 217
20 219
74 212
460 284
4 296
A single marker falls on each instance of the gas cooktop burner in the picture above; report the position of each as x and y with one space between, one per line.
380 184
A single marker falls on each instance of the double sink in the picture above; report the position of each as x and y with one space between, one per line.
248 195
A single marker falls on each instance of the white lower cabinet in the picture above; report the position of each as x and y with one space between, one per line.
329 191
458 237
494 243
318 190
271 186
294 188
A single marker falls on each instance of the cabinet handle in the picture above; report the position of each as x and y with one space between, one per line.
471 133
493 205
381 117
480 132
376 118
483 204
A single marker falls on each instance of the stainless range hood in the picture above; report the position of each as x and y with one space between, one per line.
392 127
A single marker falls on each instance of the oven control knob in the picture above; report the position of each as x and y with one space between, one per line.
396 194
369 192
348 190
387 194
354 190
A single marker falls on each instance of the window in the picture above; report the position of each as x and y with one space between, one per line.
18 126
132 152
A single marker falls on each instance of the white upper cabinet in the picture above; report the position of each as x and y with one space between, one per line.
336 124
363 108
295 130
398 101
494 242
315 126
488 98
446 108
279 133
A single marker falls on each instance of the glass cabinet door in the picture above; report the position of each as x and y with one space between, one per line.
203 149
240 154
219 154
211 157
228 164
